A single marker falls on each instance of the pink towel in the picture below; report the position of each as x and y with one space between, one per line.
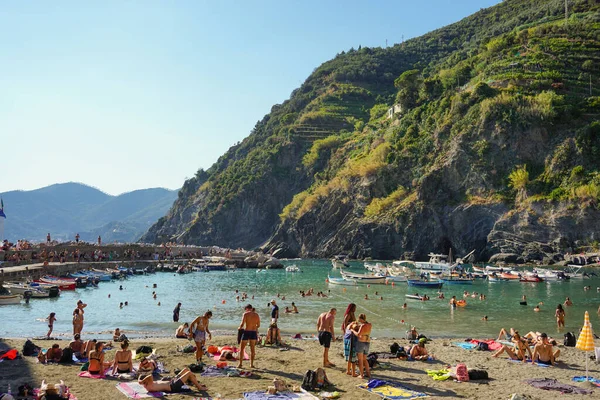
86 374
235 350
492 344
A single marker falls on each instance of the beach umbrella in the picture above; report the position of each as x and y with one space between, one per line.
586 340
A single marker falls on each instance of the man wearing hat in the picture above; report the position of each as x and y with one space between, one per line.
274 311
418 351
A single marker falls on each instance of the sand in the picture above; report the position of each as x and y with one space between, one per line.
506 377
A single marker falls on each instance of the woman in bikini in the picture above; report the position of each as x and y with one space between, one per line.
175 385
51 319
123 363
97 364
198 331
77 321
560 316
363 334
518 351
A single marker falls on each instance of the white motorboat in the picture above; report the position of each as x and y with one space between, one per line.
437 262
364 278
395 278
20 288
292 268
341 281
10 299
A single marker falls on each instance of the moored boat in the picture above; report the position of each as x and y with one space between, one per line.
63 284
457 281
425 284
21 288
341 281
10 299
364 278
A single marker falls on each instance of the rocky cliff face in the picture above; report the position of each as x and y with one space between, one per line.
506 163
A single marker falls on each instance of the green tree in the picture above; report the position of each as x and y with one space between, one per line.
408 84
518 180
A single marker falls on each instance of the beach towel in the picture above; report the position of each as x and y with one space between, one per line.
390 390
211 371
594 381
553 384
79 360
134 390
465 345
261 395
528 362
439 375
36 391
86 374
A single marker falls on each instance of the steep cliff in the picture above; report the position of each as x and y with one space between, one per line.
495 118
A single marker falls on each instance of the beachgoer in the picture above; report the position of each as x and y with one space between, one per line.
294 308
350 349
198 331
366 297
543 353
326 334
96 358
363 335
123 363
274 311
349 316
560 316
418 351
147 366
176 312
273 335
287 310
77 346
116 334
518 350
77 321
175 385
99 241
88 347
485 318
250 324
504 334
181 333
51 319
453 302
54 353
536 308
77 238
568 302
121 305
405 306
48 239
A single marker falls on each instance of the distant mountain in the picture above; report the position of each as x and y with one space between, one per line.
68 208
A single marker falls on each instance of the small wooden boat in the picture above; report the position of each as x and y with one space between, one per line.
425 284
364 278
341 281
10 299
63 284
528 279
509 276
457 281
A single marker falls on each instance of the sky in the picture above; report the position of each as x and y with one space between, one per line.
125 95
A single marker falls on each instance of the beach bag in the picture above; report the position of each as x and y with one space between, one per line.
477 374
483 346
462 374
196 367
570 339
401 353
394 348
309 382
85 366
67 356
190 348
29 348
372 360
144 349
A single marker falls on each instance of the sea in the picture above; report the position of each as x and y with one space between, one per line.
198 292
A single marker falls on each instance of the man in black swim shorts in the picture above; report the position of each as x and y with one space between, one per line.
326 334
250 324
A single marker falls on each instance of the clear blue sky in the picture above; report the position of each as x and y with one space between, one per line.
124 95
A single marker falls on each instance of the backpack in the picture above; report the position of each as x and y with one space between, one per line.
67 356
196 367
462 375
29 348
483 346
190 348
570 339
394 348
144 349
477 374
309 382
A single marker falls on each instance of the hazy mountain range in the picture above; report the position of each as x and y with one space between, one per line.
68 208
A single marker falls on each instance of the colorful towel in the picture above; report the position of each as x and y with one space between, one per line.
214 372
492 344
134 390
553 384
594 381
439 375
261 395
86 374
528 362
217 356
465 345
390 390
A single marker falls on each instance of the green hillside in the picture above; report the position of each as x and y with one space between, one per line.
499 121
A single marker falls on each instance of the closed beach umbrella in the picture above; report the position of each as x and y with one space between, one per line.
586 340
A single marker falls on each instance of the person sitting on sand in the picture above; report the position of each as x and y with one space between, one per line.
97 364
175 385
418 351
505 335
536 337
273 335
118 336
518 351
543 353
54 353
181 333
123 363
147 366
77 346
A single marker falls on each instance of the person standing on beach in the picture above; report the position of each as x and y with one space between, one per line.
77 238
78 317
99 241
363 334
274 311
349 316
326 334
176 312
250 324
51 319
560 316
198 331
48 239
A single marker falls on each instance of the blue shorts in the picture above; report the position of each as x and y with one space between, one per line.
249 335
362 347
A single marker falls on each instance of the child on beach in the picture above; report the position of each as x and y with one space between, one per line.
51 319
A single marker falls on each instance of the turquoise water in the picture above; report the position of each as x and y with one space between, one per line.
216 291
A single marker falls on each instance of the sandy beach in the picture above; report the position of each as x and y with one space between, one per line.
506 377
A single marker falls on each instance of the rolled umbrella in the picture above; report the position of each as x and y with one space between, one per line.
585 341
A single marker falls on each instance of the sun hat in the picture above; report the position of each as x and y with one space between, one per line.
422 340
